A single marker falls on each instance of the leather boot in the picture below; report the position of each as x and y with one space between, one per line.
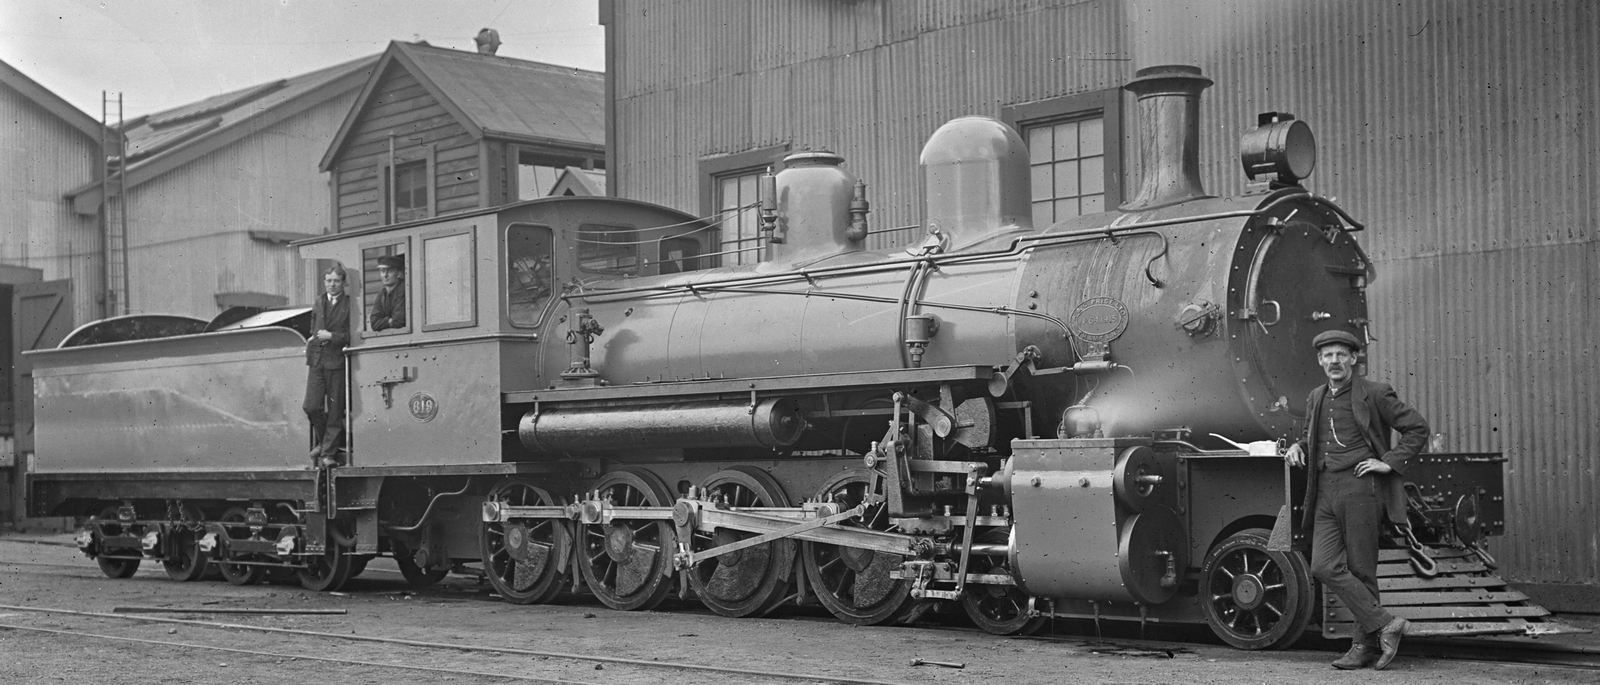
1389 642
1360 656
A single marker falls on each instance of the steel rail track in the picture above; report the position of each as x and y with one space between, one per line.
668 665
281 655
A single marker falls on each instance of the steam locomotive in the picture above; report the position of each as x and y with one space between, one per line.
1022 421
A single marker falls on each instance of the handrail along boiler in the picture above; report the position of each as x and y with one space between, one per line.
1011 418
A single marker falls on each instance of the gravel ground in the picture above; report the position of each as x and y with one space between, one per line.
46 572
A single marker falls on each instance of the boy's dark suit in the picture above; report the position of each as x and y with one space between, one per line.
325 389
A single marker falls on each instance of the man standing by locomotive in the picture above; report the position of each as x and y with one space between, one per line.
324 404
389 308
1356 482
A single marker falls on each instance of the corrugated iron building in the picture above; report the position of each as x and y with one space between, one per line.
1458 131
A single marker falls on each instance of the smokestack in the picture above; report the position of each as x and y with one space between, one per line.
488 41
1169 135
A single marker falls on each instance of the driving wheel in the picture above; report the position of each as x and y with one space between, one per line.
186 562
628 563
1253 598
997 609
752 580
113 568
238 529
523 559
854 584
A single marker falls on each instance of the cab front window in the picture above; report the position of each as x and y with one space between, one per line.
530 280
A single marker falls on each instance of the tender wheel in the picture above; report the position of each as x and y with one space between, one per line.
752 580
1252 598
329 571
238 574
114 568
359 564
522 559
854 584
998 609
186 562
628 563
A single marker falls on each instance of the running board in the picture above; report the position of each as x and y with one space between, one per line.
1465 598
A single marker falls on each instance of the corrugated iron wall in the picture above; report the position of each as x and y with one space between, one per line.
40 155
1459 131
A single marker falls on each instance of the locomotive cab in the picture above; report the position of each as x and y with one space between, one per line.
481 295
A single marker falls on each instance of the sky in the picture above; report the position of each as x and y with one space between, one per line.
164 53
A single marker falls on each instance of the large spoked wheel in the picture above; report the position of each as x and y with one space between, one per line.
415 575
751 580
186 562
329 571
628 563
854 584
238 529
1253 598
114 568
998 609
522 559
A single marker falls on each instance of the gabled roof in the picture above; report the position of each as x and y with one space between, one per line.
578 181
496 97
161 142
51 102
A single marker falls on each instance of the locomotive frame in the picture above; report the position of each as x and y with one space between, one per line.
700 435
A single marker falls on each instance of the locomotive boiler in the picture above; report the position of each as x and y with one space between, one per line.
1011 419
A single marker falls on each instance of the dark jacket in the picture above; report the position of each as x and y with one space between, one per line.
389 308
1378 410
329 354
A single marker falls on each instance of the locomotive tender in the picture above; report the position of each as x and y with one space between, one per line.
1005 417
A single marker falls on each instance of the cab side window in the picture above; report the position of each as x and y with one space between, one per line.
530 280
386 307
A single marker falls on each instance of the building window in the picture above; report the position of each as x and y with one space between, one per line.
610 250
728 195
397 307
740 240
530 274
408 196
448 281
1067 166
1074 153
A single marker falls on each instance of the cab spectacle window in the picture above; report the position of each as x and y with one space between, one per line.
448 294
372 286
530 276
609 250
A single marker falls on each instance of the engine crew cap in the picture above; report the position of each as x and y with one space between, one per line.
1326 338
392 261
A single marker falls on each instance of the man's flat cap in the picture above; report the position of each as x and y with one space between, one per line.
1336 336
393 261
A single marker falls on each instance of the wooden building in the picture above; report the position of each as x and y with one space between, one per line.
216 189
437 131
1456 130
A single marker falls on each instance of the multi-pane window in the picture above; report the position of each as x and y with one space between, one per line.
736 208
410 191
1067 163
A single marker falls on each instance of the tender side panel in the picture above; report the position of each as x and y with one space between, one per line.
213 402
